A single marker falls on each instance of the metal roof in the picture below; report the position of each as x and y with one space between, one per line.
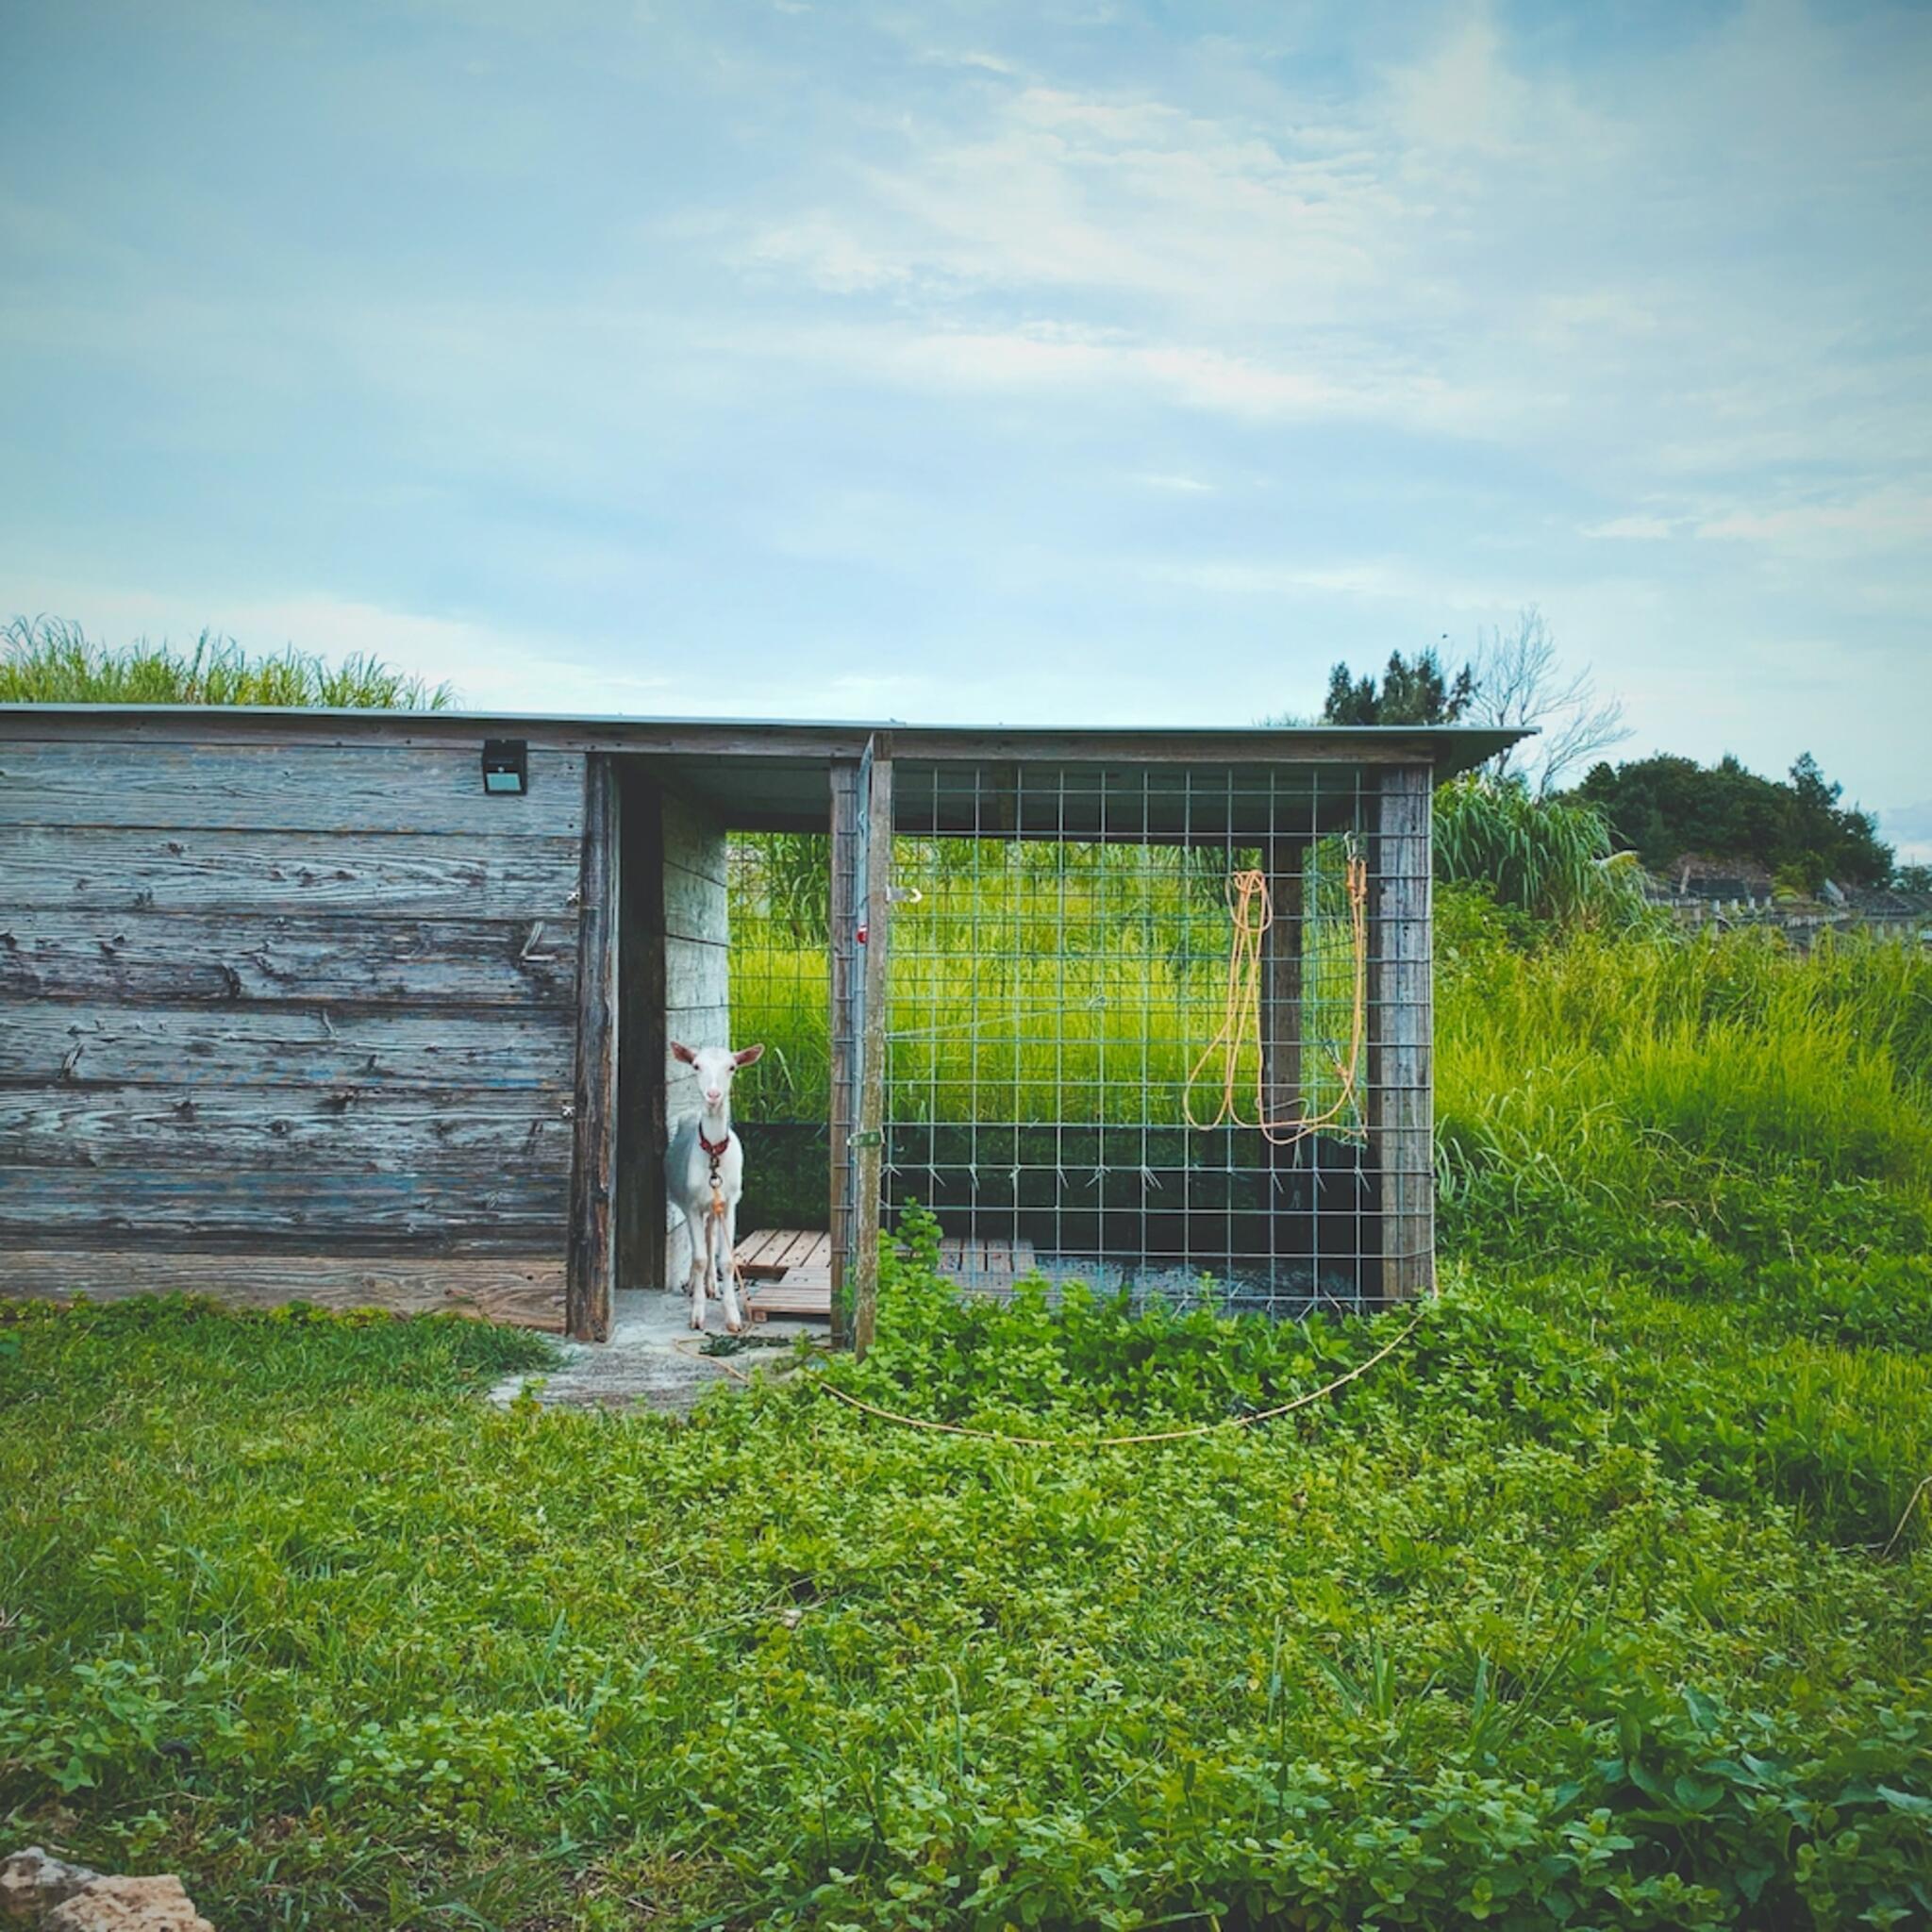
769 774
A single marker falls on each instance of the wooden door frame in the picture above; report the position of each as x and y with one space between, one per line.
861 859
591 1266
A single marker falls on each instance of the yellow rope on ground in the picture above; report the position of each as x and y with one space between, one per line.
1232 1421
1252 910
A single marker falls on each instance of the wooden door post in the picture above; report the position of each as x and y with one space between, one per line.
869 1167
842 922
592 1227
1281 982
1282 1099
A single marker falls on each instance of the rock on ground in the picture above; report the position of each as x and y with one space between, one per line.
32 1883
127 1905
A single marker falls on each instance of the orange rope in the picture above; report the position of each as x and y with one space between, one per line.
1252 912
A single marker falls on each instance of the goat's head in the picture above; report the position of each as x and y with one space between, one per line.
714 1067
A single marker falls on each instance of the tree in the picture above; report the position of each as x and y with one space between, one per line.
1415 692
1828 841
1519 685
1663 807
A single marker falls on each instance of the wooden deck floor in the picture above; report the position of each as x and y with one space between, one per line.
787 1271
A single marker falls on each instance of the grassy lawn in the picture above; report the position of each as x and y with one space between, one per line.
1591 1606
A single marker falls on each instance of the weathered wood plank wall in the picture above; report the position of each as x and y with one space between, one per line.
286 1020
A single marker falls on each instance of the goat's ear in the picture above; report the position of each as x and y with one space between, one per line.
746 1054
681 1052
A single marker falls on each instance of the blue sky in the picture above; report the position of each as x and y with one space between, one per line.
1079 362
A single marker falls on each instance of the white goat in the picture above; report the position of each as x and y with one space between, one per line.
704 1175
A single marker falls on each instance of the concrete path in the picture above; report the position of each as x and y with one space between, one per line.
652 1358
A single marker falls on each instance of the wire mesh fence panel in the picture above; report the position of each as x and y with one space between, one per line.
1163 1030
779 898
1129 1027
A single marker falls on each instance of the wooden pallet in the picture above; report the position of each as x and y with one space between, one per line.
986 1264
787 1271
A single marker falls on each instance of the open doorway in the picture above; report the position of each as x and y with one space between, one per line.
737 910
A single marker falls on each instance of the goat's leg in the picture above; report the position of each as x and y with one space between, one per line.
727 1266
696 1233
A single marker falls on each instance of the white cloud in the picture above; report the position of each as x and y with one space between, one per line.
1881 520
1483 243
1630 530
1373 580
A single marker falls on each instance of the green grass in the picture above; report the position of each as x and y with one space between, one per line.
1030 982
48 660
1574 1606
1603 1602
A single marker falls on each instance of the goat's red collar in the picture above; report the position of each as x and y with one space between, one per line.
715 1149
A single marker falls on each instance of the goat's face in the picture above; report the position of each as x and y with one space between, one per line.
714 1067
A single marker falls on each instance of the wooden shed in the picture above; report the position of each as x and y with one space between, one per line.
372 1007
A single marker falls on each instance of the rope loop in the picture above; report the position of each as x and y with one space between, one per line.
1251 911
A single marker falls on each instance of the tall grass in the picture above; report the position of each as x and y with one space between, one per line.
51 661
1598 1084
1550 858
1640 1073
1081 984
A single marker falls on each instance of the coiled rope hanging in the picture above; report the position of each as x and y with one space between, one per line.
1252 910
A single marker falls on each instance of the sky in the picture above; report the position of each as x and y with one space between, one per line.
1078 363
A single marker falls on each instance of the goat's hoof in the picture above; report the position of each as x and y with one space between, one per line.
732 1327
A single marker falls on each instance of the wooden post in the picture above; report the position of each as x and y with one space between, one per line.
842 922
1281 983
1401 1081
1282 1098
867 1170
592 1230
641 1129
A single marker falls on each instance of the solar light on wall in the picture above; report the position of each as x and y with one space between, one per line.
506 766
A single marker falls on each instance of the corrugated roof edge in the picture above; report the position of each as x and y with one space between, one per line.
1450 748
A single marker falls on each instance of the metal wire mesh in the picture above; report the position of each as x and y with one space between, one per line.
1057 981
779 887
1057 987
